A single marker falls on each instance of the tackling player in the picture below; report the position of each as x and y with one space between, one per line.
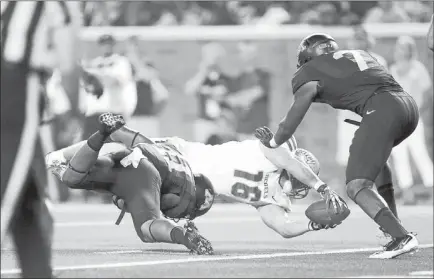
250 173
355 81
142 176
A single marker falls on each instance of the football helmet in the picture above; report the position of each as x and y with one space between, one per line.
205 195
315 45
300 190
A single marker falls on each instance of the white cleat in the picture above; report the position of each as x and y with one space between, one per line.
397 247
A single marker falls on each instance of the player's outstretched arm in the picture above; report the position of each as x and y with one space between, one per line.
303 98
430 35
277 219
282 158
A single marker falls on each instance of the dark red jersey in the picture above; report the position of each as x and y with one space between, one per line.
347 79
176 175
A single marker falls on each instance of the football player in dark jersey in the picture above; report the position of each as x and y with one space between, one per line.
149 178
354 80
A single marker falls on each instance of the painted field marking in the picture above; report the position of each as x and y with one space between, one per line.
118 252
210 259
422 273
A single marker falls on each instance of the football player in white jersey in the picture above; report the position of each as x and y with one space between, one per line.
248 172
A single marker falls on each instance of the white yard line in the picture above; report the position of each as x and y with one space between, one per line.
209 259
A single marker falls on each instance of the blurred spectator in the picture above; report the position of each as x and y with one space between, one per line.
417 10
386 12
415 79
275 14
210 85
152 95
362 40
98 13
249 93
145 13
226 128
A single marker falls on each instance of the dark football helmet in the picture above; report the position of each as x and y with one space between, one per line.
205 195
315 45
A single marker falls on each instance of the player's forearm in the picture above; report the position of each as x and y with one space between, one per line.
279 221
129 137
282 158
294 117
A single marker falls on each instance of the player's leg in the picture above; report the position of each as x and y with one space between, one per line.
32 230
129 137
369 151
140 189
385 188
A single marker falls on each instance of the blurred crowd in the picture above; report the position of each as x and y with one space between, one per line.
147 13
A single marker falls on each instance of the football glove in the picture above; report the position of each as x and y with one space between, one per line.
332 198
265 135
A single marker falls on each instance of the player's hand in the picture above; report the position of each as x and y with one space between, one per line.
109 122
332 198
265 135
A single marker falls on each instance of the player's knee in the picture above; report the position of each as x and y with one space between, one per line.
384 177
357 185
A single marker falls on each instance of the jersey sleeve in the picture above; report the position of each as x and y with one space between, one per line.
304 75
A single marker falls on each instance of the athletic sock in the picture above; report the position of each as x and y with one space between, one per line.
178 235
376 207
96 141
387 220
387 192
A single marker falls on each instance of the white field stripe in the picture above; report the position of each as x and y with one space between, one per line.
422 273
210 259
119 252
24 155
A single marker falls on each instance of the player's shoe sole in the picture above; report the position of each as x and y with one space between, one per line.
403 246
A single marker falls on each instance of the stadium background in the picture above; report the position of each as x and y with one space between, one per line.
176 52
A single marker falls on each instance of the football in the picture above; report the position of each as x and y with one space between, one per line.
318 213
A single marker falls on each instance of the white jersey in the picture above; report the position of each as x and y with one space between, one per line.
119 97
238 170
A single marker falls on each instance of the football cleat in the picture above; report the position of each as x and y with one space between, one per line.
397 247
56 163
109 122
195 242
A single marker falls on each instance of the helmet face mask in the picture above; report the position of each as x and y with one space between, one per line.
315 45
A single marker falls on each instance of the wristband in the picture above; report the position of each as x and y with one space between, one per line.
273 143
319 185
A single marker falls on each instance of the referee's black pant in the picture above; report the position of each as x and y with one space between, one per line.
23 172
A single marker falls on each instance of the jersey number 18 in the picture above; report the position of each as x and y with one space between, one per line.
244 191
